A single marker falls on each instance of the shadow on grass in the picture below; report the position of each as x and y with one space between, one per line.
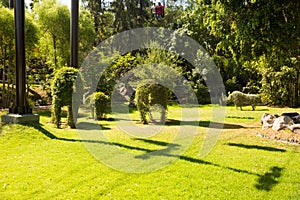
264 182
160 143
255 147
163 152
268 180
50 135
47 133
239 117
249 108
261 109
91 126
206 124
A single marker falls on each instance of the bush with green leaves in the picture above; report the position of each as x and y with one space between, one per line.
101 102
98 103
62 88
152 96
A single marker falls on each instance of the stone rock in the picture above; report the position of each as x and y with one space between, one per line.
267 120
294 127
282 122
294 115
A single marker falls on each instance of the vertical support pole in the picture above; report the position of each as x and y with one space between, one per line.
20 106
11 4
20 113
74 33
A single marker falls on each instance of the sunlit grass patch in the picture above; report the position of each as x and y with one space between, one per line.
42 162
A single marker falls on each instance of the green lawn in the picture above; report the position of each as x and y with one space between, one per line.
42 162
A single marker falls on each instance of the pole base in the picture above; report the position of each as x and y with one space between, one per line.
22 110
20 119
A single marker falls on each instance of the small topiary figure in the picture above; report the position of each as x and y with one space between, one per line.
151 95
98 102
62 89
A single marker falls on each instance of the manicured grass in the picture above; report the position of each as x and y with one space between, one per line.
42 162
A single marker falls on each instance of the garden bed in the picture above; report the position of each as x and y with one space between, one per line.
282 135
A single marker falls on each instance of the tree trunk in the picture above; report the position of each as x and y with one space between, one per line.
54 48
297 103
3 80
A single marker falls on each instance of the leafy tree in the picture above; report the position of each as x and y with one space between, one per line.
7 53
7 50
269 29
54 21
4 3
130 14
102 18
86 34
248 38
113 73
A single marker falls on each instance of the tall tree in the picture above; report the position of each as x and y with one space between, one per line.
130 14
250 40
96 8
269 31
54 20
7 53
87 33
7 50
4 3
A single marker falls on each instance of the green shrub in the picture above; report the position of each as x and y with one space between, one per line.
101 101
62 89
150 96
98 103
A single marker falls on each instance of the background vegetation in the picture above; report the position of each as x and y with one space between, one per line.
255 43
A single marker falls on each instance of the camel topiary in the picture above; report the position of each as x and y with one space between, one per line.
62 88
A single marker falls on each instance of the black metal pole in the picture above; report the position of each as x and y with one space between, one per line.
11 4
74 33
20 106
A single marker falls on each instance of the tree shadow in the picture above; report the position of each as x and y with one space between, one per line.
239 117
160 143
162 152
268 180
91 126
261 109
206 124
169 147
265 182
256 147
50 135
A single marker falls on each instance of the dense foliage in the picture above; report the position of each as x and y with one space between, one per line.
254 43
7 51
